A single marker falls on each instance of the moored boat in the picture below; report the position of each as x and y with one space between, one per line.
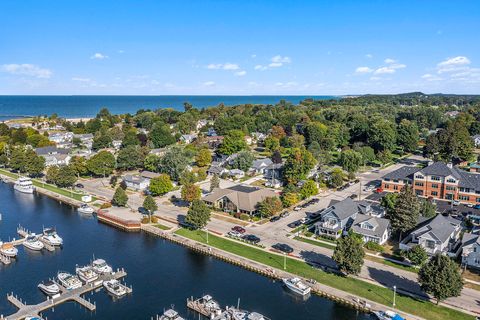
100 266
170 314
85 208
297 286
387 315
31 242
24 185
86 274
49 287
69 281
8 249
51 237
115 287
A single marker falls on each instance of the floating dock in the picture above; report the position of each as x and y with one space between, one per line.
25 310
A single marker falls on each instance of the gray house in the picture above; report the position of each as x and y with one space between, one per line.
259 165
372 228
337 218
438 235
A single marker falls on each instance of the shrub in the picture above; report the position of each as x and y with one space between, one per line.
146 220
373 246
244 217
106 205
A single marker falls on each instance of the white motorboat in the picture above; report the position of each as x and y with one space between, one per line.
232 313
297 286
115 287
8 249
100 266
24 184
51 237
32 318
49 287
31 242
170 314
210 305
85 208
387 315
86 274
69 281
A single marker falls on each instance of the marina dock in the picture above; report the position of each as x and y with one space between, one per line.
25 309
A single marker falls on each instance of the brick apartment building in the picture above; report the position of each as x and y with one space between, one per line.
437 180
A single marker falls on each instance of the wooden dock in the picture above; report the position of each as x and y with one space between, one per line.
25 309
24 233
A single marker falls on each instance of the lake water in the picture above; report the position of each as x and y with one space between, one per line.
161 273
88 106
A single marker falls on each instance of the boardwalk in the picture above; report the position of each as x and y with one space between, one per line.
25 310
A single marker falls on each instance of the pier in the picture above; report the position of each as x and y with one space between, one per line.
25 310
24 233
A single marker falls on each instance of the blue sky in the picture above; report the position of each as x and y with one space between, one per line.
239 47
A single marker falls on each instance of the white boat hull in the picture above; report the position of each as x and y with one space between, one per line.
24 190
49 289
35 246
301 291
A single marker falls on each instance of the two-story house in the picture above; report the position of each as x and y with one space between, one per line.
337 218
372 228
471 250
437 235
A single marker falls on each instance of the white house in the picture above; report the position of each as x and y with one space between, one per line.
59 137
188 138
476 140
471 250
117 144
259 165
372 228
136 182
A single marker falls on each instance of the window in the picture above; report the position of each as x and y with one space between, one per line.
464 198
419 192
434 186
419 176
386 179
450 180
450 188
419 184
478 199
395 180
430 244
435 178
387 186
434 193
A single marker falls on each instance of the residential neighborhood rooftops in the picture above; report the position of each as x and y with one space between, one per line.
401 173
343 209
376 226
439 228
51 150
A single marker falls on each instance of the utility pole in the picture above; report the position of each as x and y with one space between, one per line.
394 294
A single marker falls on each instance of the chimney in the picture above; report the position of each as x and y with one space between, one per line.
450 165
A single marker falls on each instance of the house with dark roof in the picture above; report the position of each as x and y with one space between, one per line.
337 218
437 180
440 234
372 228
471 250
239 198
259 165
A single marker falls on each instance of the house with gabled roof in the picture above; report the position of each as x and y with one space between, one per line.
372 228
337 218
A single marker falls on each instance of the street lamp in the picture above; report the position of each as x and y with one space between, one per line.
206 230
284 261
394 294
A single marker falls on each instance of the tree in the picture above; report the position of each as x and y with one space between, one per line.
349 254
289 199
130 157
174 162
417 255
151 162
382 134
336 178
405 215
113 181
368 154
160 185
191 192
272 144
277 157
101 164
428 209
66 177
308 189
316 132
203 158
17 159
78 165
388 202
198 214
441 278
214 182
150 204
34 164
243 161
130 138
298 164
407 135
120 198
102 139
52 174
350 160
161 135
269 206
233 142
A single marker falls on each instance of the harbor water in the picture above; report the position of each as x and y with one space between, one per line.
162 274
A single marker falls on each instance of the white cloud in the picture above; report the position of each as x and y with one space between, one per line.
369 55
363 70
260 67
431 77
275 62
384 70
241 73
391 67
453 64
223 66
26 69
79 79
98 56
208 83
389 61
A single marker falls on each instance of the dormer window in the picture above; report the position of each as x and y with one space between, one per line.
419 176
435 178
451 180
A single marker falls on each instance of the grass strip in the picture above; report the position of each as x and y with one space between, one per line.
354 286
315 243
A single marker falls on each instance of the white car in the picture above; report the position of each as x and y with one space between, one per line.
297 208
369 188
234 234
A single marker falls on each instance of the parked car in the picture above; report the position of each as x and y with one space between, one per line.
284 214
455 202
251 238
297 208
283 247
314 215
79 185
369 188
234 234
303 220
294 224
379 190
274 218
477 206
143 211
353 196
239 229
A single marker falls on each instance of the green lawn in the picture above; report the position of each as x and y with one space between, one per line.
161 226
361 288
316 243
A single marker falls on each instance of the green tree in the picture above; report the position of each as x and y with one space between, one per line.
308 189
382 134
102 139
388 202
269 206
405 215
130 157
441 278
289 199
272 144
191 192
349 254
214 182
66 177
79 165
151 163
130 138
52 174
316 132
17 159
350 160
203 158
336 178
161 135
160 185
150 204
34 164
408 135
297 165
198 214
101 164
243 161
120 198
233 142
428 209
417 255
